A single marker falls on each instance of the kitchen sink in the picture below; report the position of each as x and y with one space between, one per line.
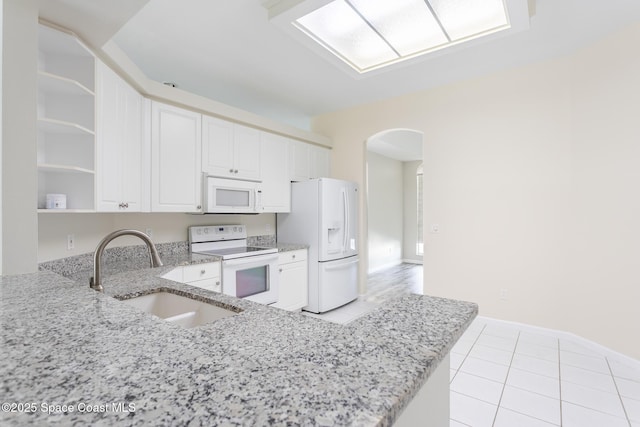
178 309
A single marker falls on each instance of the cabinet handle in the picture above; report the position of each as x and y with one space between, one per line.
199 207
126 205
293 256
280 270
235 171
203 271
230 170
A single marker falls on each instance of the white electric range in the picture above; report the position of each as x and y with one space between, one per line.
248 272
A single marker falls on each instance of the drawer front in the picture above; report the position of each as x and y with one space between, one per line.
214 284
201 272
292 256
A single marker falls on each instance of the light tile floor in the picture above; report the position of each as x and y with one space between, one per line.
510 375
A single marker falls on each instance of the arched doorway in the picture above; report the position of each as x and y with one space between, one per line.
393 206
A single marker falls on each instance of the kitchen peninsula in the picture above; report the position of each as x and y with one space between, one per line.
111 364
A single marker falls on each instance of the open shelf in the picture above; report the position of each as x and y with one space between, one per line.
47 167
52 83
66 121
62 127
60 211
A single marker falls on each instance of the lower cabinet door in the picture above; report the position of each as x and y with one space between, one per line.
293 290
212 284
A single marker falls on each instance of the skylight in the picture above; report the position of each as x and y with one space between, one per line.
369 34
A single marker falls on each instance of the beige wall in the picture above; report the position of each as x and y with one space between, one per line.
385 206
410 214
533 175
89 229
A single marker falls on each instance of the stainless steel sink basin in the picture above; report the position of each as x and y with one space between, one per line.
178 309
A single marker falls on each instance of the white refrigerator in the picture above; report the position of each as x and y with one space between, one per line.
324 215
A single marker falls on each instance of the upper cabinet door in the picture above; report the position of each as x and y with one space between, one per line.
176 159
217 146
119 144
246 144
299 161
132 170
308 161
230 150
276 187
319 162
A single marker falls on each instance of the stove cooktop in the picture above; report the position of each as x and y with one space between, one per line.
237 252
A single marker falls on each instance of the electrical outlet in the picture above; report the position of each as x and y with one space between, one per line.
149 232
71 240
435 228
504 294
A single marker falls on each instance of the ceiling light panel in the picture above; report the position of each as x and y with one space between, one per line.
407 25
466 18
369 34
339 28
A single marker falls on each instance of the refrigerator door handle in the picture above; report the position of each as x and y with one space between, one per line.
345 226
341 265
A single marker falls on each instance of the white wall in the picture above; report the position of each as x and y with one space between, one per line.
89 229
19 177
532 174
410 214
1 50
385 197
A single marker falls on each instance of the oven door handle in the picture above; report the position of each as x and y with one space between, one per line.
252 260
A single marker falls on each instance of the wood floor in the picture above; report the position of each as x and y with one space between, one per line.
382 287
393 282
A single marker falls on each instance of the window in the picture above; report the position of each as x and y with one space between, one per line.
419 227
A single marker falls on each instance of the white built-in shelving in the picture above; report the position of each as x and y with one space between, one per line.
66 120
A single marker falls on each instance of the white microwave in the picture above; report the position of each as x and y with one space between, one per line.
231 196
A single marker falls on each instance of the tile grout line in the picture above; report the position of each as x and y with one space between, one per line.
504 385
465 357
560 383
615 383
458 370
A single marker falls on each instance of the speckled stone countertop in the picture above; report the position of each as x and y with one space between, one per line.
65 344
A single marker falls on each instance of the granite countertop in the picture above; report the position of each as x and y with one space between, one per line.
65 344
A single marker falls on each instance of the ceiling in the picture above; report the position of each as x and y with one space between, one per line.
229 51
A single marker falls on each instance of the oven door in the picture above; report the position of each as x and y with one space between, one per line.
254 278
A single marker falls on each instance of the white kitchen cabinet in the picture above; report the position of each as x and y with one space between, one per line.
276 186
176 164
308 161
66 124
119 139
319 162
205 276
230 150
293 291
298 161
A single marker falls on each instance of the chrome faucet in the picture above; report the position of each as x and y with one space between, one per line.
96 280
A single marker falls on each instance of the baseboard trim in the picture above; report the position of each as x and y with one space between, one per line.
412 261
577 339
